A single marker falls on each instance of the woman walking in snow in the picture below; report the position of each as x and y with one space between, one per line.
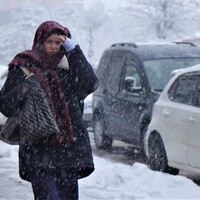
54 163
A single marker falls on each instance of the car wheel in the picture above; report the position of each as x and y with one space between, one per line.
101 140
157 159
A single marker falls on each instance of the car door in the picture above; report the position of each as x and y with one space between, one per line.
194 128
129 102
177 118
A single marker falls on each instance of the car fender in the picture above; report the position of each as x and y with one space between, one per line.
145 117
146 140
98 108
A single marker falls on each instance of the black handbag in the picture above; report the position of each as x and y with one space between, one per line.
35 120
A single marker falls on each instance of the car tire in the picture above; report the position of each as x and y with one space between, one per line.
101 140
157 159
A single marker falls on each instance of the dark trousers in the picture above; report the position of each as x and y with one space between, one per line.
59 185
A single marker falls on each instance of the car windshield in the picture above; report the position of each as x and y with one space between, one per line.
159 70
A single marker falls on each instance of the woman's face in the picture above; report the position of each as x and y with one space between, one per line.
52 44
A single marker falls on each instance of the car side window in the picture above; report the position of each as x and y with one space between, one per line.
184 89
131 79
197 97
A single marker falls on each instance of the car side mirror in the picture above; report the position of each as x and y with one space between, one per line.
130 85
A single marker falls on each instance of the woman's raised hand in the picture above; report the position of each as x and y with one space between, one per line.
62 38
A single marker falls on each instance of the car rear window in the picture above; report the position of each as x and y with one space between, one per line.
159 70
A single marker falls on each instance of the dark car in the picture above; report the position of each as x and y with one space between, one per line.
131 78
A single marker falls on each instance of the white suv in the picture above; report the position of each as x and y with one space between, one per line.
172 141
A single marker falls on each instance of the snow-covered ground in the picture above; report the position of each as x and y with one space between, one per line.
110 181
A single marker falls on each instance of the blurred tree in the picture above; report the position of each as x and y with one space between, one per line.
83 22
161 19
69 15
18 34
96 28
92 18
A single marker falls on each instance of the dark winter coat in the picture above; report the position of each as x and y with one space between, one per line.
77 82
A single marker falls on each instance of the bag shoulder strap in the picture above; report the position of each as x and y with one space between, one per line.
26 71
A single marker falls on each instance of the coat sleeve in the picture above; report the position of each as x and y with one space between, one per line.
83 76
11 96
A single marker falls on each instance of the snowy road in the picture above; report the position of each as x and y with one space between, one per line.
112 180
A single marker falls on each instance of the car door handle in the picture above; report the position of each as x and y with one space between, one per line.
166 112
192 119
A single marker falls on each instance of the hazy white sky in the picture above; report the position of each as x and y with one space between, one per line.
110 4
5 4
